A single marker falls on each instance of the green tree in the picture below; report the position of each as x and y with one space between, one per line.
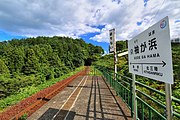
121 45
14 57
31 62
3 69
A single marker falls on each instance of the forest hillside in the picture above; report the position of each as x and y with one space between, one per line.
32 61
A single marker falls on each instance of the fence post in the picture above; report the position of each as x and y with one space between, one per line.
168 101
134 97
131 92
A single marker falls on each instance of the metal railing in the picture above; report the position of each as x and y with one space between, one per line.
148 108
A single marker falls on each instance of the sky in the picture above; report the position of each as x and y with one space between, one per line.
90 20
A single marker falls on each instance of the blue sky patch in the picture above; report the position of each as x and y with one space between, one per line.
176 21
145 2
139 23
8 36
99 26
87 37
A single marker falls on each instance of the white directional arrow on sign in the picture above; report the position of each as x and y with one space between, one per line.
162 63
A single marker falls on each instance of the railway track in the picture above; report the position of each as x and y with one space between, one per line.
71 100
40 101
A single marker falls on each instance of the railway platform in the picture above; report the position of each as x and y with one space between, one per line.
85 98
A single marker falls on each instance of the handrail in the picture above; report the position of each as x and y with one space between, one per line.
176 114
124 89
154 90
124 82
152 99
175 99
151 108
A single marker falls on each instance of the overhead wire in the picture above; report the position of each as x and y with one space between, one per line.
152 19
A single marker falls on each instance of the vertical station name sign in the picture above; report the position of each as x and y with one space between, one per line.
112 40
150 53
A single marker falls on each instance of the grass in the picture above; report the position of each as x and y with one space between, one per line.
30 90
23 117
94 72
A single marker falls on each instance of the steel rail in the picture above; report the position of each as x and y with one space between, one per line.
46 98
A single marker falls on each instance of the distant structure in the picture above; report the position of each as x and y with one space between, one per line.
175 40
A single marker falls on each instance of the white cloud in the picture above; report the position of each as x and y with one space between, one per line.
129 13
74 18
104 36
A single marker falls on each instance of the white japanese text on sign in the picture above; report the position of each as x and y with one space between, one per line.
150 53
112 40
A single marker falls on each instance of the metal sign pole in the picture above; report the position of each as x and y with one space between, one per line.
115 66
168 101
115 56
134 97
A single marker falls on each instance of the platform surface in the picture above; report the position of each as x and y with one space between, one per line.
86 98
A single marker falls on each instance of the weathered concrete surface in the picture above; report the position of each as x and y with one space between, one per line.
86 98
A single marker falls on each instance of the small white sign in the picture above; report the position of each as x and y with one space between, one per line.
150 53
112 40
